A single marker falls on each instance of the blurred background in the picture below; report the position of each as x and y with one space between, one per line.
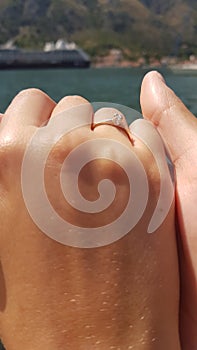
147 29
121 39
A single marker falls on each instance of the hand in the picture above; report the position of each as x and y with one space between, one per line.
120 296
178 128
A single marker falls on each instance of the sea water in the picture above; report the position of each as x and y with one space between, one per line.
117 85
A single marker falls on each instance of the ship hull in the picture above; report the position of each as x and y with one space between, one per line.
18 59
43 66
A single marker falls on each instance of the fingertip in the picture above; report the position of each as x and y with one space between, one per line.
152 96
167 112
149 81
152 75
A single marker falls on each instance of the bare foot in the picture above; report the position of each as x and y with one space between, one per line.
178 128
123 295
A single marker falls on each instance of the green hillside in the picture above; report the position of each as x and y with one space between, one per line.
136 26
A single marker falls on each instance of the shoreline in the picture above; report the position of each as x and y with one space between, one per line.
115 59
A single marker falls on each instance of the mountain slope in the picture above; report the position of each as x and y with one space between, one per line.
149 26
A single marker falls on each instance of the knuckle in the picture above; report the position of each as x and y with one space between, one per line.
30 92
12 148
76 99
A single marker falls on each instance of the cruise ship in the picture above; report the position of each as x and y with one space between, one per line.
59 54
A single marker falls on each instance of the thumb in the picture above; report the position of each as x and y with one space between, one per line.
175 123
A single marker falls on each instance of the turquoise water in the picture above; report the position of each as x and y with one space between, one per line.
118 85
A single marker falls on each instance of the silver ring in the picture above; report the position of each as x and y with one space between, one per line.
118 120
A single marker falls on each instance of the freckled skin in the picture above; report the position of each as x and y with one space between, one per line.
121 296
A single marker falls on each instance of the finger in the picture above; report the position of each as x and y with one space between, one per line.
29 107
146 132
75 108
111 121
69 102
173 120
